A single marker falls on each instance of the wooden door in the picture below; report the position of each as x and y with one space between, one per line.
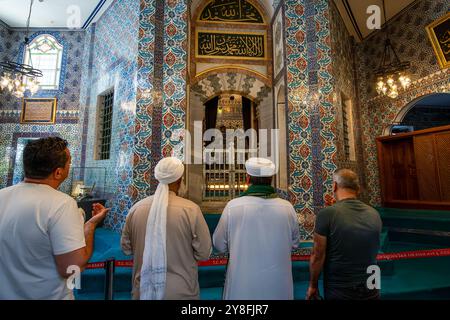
402 169
427 175
443 161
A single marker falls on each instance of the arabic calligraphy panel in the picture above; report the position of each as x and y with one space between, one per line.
278 46
38 111
237 11
230 45
439 34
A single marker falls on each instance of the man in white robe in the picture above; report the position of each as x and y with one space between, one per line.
259 231
167 235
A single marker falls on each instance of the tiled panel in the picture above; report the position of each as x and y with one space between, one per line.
311 125
144 106
112 64
4 34
327 106
139 48
380 113
9 134
69 92
343 66
299 125
408 34
162 63
68 98
175 73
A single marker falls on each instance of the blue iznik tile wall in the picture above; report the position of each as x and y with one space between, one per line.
110 62
147 40
68 105
343 48
408 34
162 73
139 48
311 125
3 40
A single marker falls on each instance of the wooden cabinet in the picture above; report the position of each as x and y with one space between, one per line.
415 169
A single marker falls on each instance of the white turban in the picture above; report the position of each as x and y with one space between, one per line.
154 266
260 167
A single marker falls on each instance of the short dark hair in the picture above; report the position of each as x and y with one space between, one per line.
260 180
43 156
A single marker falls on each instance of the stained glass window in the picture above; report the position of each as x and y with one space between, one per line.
45 53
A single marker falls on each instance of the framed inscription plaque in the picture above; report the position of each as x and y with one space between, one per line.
38 111
231 11
230 45
439 34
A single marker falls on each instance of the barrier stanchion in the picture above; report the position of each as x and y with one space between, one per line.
110 266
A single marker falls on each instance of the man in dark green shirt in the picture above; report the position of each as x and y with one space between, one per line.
346 243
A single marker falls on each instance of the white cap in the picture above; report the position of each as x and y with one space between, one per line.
260 167
169 170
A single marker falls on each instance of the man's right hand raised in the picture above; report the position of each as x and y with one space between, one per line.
99 213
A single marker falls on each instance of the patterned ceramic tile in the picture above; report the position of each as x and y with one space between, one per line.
408 34
112 64
175 74
311 125
68 98
143 124
9 137
148 70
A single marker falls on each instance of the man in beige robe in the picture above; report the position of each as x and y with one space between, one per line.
188 240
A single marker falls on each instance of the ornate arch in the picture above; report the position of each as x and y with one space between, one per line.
213 83
401 114
231 69
213 62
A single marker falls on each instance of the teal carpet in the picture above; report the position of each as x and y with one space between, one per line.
402 279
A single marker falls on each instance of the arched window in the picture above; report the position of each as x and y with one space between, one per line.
45 53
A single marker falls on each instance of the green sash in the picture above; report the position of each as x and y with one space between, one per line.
261 191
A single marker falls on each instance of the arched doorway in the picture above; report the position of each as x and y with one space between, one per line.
426 112
225 110
230 88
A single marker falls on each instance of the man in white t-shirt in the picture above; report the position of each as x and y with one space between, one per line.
42 232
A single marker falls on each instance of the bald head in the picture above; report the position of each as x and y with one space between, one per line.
346 179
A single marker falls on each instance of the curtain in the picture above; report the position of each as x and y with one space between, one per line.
211 113
247 113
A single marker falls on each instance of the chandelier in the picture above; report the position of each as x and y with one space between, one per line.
391 73
17 78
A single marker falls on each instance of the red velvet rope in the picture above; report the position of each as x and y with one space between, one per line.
297 257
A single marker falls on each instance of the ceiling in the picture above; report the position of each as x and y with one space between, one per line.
51 13
354 13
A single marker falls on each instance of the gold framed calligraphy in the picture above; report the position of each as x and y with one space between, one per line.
38 111
231 45
278 43
439 34
231 11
